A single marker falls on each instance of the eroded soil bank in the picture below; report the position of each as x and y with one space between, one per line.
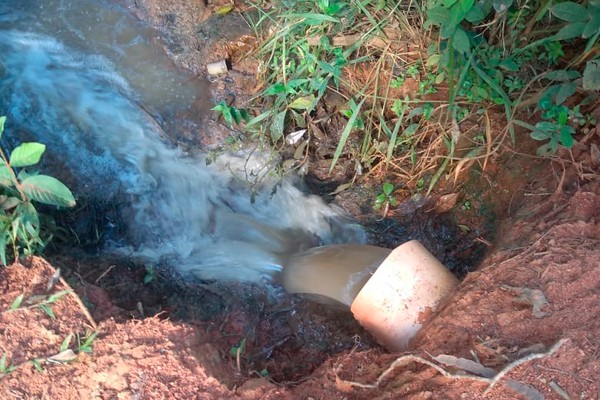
530 314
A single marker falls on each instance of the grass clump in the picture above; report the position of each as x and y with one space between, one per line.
416 84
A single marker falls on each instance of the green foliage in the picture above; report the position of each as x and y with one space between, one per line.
502 57
5 367
238 349
510 55
231 114
84 344
386 197
20 227
150 273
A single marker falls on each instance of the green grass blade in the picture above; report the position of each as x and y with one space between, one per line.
346 134
501 93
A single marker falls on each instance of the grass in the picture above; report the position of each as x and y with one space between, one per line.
83 343
417 83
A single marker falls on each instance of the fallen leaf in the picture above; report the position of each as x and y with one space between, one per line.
445 203
466 365
63 357
532 297
295 137
224 10
527 391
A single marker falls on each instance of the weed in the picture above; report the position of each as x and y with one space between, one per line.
231 114
84 344
385 198
20 224
150 273
238 349
5 367
480 54
43 303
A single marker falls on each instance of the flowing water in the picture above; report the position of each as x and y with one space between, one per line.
92 84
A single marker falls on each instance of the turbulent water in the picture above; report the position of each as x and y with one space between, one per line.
81 77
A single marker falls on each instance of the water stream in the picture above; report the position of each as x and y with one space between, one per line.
92 84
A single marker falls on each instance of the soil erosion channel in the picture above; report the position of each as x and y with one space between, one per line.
94 85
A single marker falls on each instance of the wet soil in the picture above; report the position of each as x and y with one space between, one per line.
529 312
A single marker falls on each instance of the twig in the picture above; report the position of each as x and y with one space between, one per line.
405 359
82 306
520 361
104 274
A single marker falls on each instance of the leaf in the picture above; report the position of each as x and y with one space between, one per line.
17 302
592 26
466 365
224 10
3 239
303 103
460 41
591 75
566 136
47 190
562 75
65 344
259 118
86 345
476 14
2 122
27 154
295 137
459 11
58 295
63 357
312 18
438 16
526 391
502 5
388 188
445 203
45 308
570 11
539 134
275 89
565 91
238 349
8 203
346 133
341 188
570 31
38 366
277 126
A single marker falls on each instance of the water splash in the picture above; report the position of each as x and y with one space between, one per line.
201 217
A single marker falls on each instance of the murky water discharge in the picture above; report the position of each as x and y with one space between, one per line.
89 82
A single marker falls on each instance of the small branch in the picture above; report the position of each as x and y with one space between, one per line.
405 359
523 360
104 274
82 306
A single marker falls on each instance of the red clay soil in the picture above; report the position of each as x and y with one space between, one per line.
530 314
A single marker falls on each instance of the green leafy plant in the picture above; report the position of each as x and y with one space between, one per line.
231 114
150 273
386 197
44 303
238 349
20 187
84 344
482 54
5 367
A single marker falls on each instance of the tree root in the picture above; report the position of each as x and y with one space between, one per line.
408 358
